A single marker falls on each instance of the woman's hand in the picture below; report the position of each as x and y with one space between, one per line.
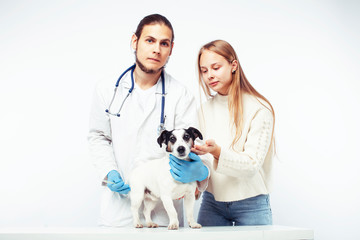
209 147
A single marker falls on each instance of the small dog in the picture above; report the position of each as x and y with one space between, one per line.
152 181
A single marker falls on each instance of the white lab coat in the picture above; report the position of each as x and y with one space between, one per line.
121 143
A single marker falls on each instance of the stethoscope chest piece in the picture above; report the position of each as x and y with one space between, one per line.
160 129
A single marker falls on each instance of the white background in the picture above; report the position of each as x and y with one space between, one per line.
302 55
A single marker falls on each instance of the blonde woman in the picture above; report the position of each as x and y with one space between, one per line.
237 123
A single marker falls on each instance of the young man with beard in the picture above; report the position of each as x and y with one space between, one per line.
125 123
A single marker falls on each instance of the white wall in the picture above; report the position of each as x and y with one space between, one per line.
302 55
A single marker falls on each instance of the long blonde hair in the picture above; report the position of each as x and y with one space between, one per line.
239 85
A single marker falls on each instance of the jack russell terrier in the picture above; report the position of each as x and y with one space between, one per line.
152 181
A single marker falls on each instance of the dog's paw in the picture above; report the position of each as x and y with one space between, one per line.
138 225
195 225
173 226
152 225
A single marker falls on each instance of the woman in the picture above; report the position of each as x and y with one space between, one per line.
238 123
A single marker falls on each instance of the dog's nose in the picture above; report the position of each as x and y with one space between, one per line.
181 149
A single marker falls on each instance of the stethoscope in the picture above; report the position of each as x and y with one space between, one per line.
162 118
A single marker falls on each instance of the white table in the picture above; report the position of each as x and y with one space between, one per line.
206 233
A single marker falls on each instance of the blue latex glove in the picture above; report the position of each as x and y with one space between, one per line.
188 171
118 184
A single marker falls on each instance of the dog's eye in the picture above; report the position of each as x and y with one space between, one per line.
172 139
186 137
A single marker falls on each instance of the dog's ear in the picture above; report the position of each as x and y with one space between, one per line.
194 132
162 138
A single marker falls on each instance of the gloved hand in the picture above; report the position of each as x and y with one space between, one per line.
185 171
118 184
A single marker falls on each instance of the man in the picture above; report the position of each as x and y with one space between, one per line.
124 135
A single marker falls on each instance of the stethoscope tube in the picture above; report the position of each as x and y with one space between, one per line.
132 77
116 87
162 117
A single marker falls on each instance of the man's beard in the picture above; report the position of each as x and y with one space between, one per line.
147 70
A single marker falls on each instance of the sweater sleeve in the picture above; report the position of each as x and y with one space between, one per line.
247 163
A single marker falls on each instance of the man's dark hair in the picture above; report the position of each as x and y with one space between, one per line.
154 19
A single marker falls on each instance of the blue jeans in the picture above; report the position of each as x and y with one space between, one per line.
251 211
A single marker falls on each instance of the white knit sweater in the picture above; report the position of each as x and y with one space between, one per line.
245 172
